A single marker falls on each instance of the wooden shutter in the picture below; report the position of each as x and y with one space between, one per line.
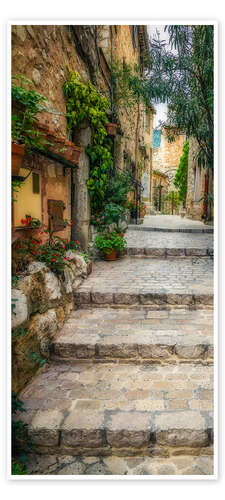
55 211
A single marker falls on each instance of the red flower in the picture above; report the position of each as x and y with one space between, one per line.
71 220
53 260
78 243
23 221
68 258
55 254
70 225
40 241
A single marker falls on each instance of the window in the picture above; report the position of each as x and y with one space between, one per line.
28 198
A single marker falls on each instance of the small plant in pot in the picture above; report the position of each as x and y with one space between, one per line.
110 245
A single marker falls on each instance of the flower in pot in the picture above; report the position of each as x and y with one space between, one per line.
111 128
110 244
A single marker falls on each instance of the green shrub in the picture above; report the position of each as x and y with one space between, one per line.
108 242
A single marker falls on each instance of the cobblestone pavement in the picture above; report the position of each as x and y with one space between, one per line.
69 465
168 240
156 409
136 276
173 222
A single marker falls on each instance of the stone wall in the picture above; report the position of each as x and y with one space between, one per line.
196 183
43 301
42 54
166 157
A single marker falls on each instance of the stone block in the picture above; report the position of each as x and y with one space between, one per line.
155 252
125 298
196 252
179 299
184 428
20 312
44 428
83 429
101 298
190 351
82 297
153 298
155 351
204 299
175 252
130 430
117 350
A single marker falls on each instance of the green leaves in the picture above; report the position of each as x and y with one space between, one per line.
85 102
109 241
180 179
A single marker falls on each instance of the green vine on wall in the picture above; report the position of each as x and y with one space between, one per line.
85 102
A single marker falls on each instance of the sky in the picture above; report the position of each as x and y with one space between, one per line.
161 108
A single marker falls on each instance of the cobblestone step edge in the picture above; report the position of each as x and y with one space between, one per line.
132 227
126 299
169 252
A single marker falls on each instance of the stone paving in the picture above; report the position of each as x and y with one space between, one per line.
147 281
128 389
173 222
168 240
120 409
138 466
155 335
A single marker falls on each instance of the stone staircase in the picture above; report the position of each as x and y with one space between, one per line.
129 388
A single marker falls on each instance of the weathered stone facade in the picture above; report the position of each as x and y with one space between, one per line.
42 54
198 185
165 161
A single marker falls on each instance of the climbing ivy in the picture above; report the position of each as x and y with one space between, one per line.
85 102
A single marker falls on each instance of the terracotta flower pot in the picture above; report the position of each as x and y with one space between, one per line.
111 128
17 157
76 154
121 235
111 256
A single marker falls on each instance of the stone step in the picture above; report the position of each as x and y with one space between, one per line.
168 252
122 410
131 282
139 336
141 465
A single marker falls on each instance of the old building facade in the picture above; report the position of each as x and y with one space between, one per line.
166 157
199 185
43 54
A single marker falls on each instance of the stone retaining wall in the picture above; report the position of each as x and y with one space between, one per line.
43 302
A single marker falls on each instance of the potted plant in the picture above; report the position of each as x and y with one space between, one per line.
110 244
111 128
17 157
